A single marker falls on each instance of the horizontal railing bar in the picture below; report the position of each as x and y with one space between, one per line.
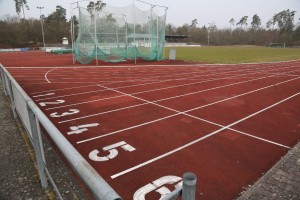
94 182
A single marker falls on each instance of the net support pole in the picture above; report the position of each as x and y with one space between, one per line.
1 76
38 147
165 18
157 37
134 19
4 84
72 34
189 186
96 40
13 105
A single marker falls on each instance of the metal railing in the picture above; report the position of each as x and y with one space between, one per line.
31 117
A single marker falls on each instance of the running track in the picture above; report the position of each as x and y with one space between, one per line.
228 124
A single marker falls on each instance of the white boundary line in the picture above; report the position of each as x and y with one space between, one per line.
146 91
155 65
123 95
177 113
131 95
200 139
208 80
143 84
47 74
229 70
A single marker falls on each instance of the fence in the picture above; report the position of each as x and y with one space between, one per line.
31 117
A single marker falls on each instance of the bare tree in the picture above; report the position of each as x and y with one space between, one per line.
242 22
256 22
231 23
20 5
285 21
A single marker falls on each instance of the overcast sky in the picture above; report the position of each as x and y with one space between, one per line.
180 11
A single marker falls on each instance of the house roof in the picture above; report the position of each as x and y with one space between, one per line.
141 36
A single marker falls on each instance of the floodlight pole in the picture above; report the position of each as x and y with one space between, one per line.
72 30
209 24
42 24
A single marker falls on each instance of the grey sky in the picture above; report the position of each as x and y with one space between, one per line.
180 12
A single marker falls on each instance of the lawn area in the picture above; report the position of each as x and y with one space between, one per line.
234 54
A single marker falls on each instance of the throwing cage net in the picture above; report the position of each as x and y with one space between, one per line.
115 34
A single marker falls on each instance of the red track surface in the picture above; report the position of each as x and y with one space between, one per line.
228 124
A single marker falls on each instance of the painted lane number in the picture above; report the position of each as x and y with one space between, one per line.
157 185
49 103
113 152
81 128
71 112
43 95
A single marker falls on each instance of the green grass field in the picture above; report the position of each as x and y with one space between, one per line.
234 54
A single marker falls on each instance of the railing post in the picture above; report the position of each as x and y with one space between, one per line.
38 147
12 99
4 83
1 76
189 186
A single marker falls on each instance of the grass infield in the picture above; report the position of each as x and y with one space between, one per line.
234 54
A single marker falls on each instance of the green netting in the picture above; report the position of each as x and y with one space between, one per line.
62 51
114 34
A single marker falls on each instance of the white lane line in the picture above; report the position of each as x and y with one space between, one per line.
129 128
152 102
148 91
228 70
160 81
206 105
243 94
200 139
154 83
70 88
110 83
42 95
262 64
142 92
47 75
149 102
143 84
238 131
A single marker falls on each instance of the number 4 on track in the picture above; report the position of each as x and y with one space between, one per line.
81 128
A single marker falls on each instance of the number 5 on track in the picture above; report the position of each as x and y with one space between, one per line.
113 152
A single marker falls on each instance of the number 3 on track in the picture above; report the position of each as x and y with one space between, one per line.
113 152
71 112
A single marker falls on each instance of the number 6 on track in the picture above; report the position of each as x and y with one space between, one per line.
113 152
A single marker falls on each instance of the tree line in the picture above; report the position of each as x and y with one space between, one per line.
279 29
17 31
22 32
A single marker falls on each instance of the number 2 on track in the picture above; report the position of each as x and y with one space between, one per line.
55 102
